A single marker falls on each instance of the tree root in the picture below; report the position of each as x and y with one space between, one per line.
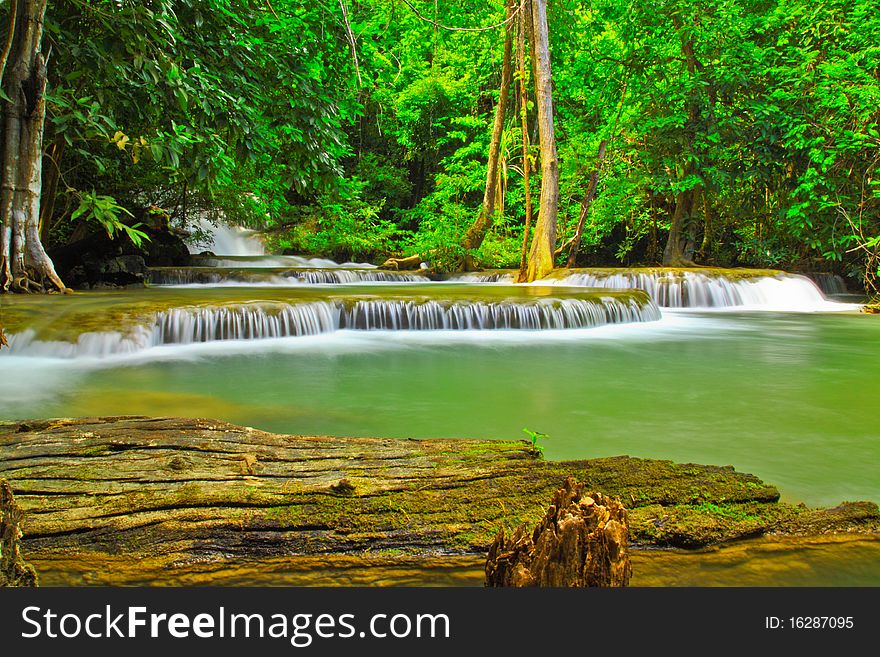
31 282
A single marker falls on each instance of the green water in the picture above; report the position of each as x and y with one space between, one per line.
791 398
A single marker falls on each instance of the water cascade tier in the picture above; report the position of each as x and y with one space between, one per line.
669 287
274 262
276 276
262 320
695 288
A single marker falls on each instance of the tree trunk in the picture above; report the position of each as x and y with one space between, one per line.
477 232
589 197
524 127
674 255
24 264
157 497
544 241
708 224
51 177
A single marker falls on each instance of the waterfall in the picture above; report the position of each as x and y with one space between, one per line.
246 322
276 262
830 284
257 321
226 240
332 276
276 278
694 289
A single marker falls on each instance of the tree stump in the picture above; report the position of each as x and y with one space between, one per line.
14 571
582 541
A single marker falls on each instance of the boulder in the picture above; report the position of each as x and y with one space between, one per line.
92 259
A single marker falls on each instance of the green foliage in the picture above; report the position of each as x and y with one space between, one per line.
105 211
766 109
535 437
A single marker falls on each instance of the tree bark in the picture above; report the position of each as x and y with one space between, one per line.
24 264
589 197
477 232
544 240
582 541
14 570
186 491
524 128
51 177
674 254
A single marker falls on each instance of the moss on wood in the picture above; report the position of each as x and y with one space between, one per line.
190 490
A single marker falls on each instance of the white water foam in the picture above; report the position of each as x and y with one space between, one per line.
254 322
784 292
226 240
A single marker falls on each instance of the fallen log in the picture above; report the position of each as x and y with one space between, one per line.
408 262
179 492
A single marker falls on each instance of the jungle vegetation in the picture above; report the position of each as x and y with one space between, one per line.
467 133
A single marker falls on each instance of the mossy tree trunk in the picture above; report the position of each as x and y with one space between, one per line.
524 15
477 232
541 254
24 264
14 570
677 253
582 541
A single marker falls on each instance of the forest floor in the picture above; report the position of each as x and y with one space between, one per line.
120 500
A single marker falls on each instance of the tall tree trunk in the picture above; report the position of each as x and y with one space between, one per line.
589 197
674 254
24 264
544 241
524 128
708 225
477 232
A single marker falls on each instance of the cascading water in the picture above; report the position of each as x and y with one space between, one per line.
226 240
693 289
279 278
277 262
264 321
830 284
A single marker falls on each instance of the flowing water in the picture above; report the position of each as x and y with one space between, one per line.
790 397
746 369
